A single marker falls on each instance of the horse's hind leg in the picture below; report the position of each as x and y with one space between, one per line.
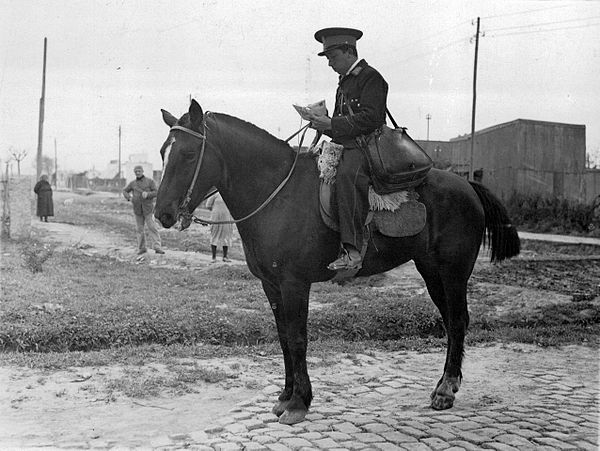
448 290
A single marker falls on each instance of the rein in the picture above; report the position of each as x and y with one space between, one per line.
189 217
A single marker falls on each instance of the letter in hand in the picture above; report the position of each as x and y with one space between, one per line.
320 123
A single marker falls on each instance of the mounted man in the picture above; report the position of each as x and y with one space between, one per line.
360 109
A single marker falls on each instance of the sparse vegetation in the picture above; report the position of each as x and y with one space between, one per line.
543 214
35 254
69 308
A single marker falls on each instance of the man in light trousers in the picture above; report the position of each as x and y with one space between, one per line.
142 192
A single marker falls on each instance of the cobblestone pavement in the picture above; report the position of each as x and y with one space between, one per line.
513 397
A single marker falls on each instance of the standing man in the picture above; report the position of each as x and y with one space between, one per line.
360 108
142 192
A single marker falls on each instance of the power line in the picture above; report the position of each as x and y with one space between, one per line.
542 24
542 31
524 12
436 35
436 49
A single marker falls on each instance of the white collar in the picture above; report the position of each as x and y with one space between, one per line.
352 67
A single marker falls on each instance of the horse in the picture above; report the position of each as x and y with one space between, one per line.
273 190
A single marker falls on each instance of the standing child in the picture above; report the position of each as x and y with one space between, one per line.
220 234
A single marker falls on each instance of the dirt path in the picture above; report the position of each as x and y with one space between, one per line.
369 400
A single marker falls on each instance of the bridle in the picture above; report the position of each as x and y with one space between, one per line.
187 217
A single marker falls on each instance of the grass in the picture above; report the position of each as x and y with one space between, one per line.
68 307
81 310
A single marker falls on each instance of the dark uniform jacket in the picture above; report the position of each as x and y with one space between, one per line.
364 91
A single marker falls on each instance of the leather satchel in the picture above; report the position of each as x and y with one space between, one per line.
396 161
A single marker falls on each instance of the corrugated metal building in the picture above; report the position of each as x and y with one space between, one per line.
524 156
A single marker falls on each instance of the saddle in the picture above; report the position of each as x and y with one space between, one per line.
395 214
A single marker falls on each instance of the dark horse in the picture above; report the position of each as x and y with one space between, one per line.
288 246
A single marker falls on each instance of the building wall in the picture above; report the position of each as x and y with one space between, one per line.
528 157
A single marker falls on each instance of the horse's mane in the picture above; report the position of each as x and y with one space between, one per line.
263 138
252 130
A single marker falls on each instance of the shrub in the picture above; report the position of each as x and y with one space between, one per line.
35 254
545 214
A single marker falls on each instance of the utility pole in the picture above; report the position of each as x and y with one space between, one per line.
428 117
41 118
55 166
474 101
119 174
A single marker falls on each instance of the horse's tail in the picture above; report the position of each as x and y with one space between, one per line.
500 235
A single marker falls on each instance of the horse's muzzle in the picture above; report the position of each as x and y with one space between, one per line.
166 219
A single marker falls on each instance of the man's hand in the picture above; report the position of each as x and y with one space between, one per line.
145 194
320 123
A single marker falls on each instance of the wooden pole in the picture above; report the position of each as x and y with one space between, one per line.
119 175
41 118
55 166
474 102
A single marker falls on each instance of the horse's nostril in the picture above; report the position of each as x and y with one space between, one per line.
166 219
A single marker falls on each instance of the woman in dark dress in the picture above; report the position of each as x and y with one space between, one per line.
45 206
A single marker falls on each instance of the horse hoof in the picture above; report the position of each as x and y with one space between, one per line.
280 407
441 402
443 396
290 417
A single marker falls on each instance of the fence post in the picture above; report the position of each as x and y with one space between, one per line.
19 198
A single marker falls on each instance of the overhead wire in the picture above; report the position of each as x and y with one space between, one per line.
542 30
434 50
542 24
493 31
436 35
517 13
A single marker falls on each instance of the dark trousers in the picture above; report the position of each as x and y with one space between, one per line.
352 186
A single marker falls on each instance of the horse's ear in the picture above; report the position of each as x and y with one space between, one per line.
196 115
169 119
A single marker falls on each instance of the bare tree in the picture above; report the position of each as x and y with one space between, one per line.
18 156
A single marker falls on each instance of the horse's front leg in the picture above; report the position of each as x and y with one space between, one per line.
292 317
274 296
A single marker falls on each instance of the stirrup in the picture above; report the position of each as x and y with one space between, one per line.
345 263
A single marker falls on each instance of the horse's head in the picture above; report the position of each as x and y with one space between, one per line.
190 167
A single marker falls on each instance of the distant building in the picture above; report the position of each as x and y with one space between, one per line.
112 170
523 156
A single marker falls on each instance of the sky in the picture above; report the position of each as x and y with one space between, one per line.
114 64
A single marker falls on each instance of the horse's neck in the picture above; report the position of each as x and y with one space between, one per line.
255 164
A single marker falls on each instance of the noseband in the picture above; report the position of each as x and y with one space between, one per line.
187 217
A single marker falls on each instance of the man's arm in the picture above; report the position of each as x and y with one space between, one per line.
127 192
369 113
152 191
